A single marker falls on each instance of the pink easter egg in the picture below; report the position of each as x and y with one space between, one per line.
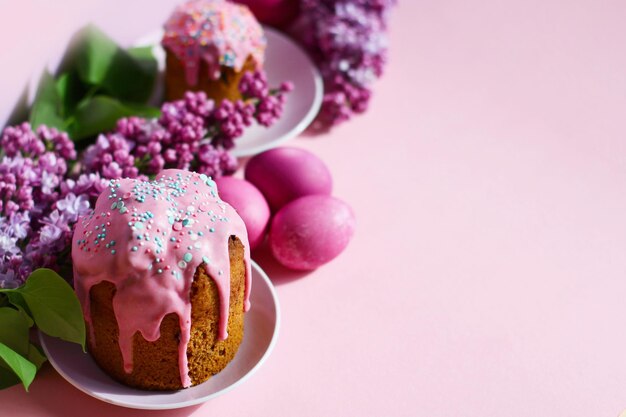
284 174
311 231
249 203
277 13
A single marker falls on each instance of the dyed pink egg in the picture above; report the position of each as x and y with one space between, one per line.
284 174
249 203
277 13
311 231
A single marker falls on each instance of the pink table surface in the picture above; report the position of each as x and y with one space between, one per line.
488 273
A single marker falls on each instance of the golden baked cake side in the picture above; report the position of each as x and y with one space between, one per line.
224 87
155 364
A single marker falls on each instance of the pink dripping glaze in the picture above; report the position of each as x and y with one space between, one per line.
153 274
215 31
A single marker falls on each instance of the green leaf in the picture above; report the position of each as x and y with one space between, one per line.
7 376
54 306
71 91
100 62
22 367
100 114
36 356
4 300
46 108
144 57
18 302
14 330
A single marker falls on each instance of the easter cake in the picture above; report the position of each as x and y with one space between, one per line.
209 45
162 271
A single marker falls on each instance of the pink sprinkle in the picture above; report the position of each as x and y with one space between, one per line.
177 226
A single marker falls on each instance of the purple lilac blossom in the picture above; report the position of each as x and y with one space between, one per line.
348 41
39 203
44 189
192 133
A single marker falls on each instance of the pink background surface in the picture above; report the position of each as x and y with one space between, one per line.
487 275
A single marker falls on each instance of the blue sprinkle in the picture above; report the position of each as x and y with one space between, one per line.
173 239
212 229
139 225
112 251
123 210
114 205
205 259
187 257
134 248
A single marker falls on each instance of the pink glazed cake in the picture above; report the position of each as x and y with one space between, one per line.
162 270
209 45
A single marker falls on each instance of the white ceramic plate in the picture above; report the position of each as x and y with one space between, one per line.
261 330
284 61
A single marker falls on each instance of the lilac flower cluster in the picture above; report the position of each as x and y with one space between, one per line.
270 102
347 39
38 203
192 133
140 147
45 187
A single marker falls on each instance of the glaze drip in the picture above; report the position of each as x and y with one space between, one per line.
148 238
217 32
